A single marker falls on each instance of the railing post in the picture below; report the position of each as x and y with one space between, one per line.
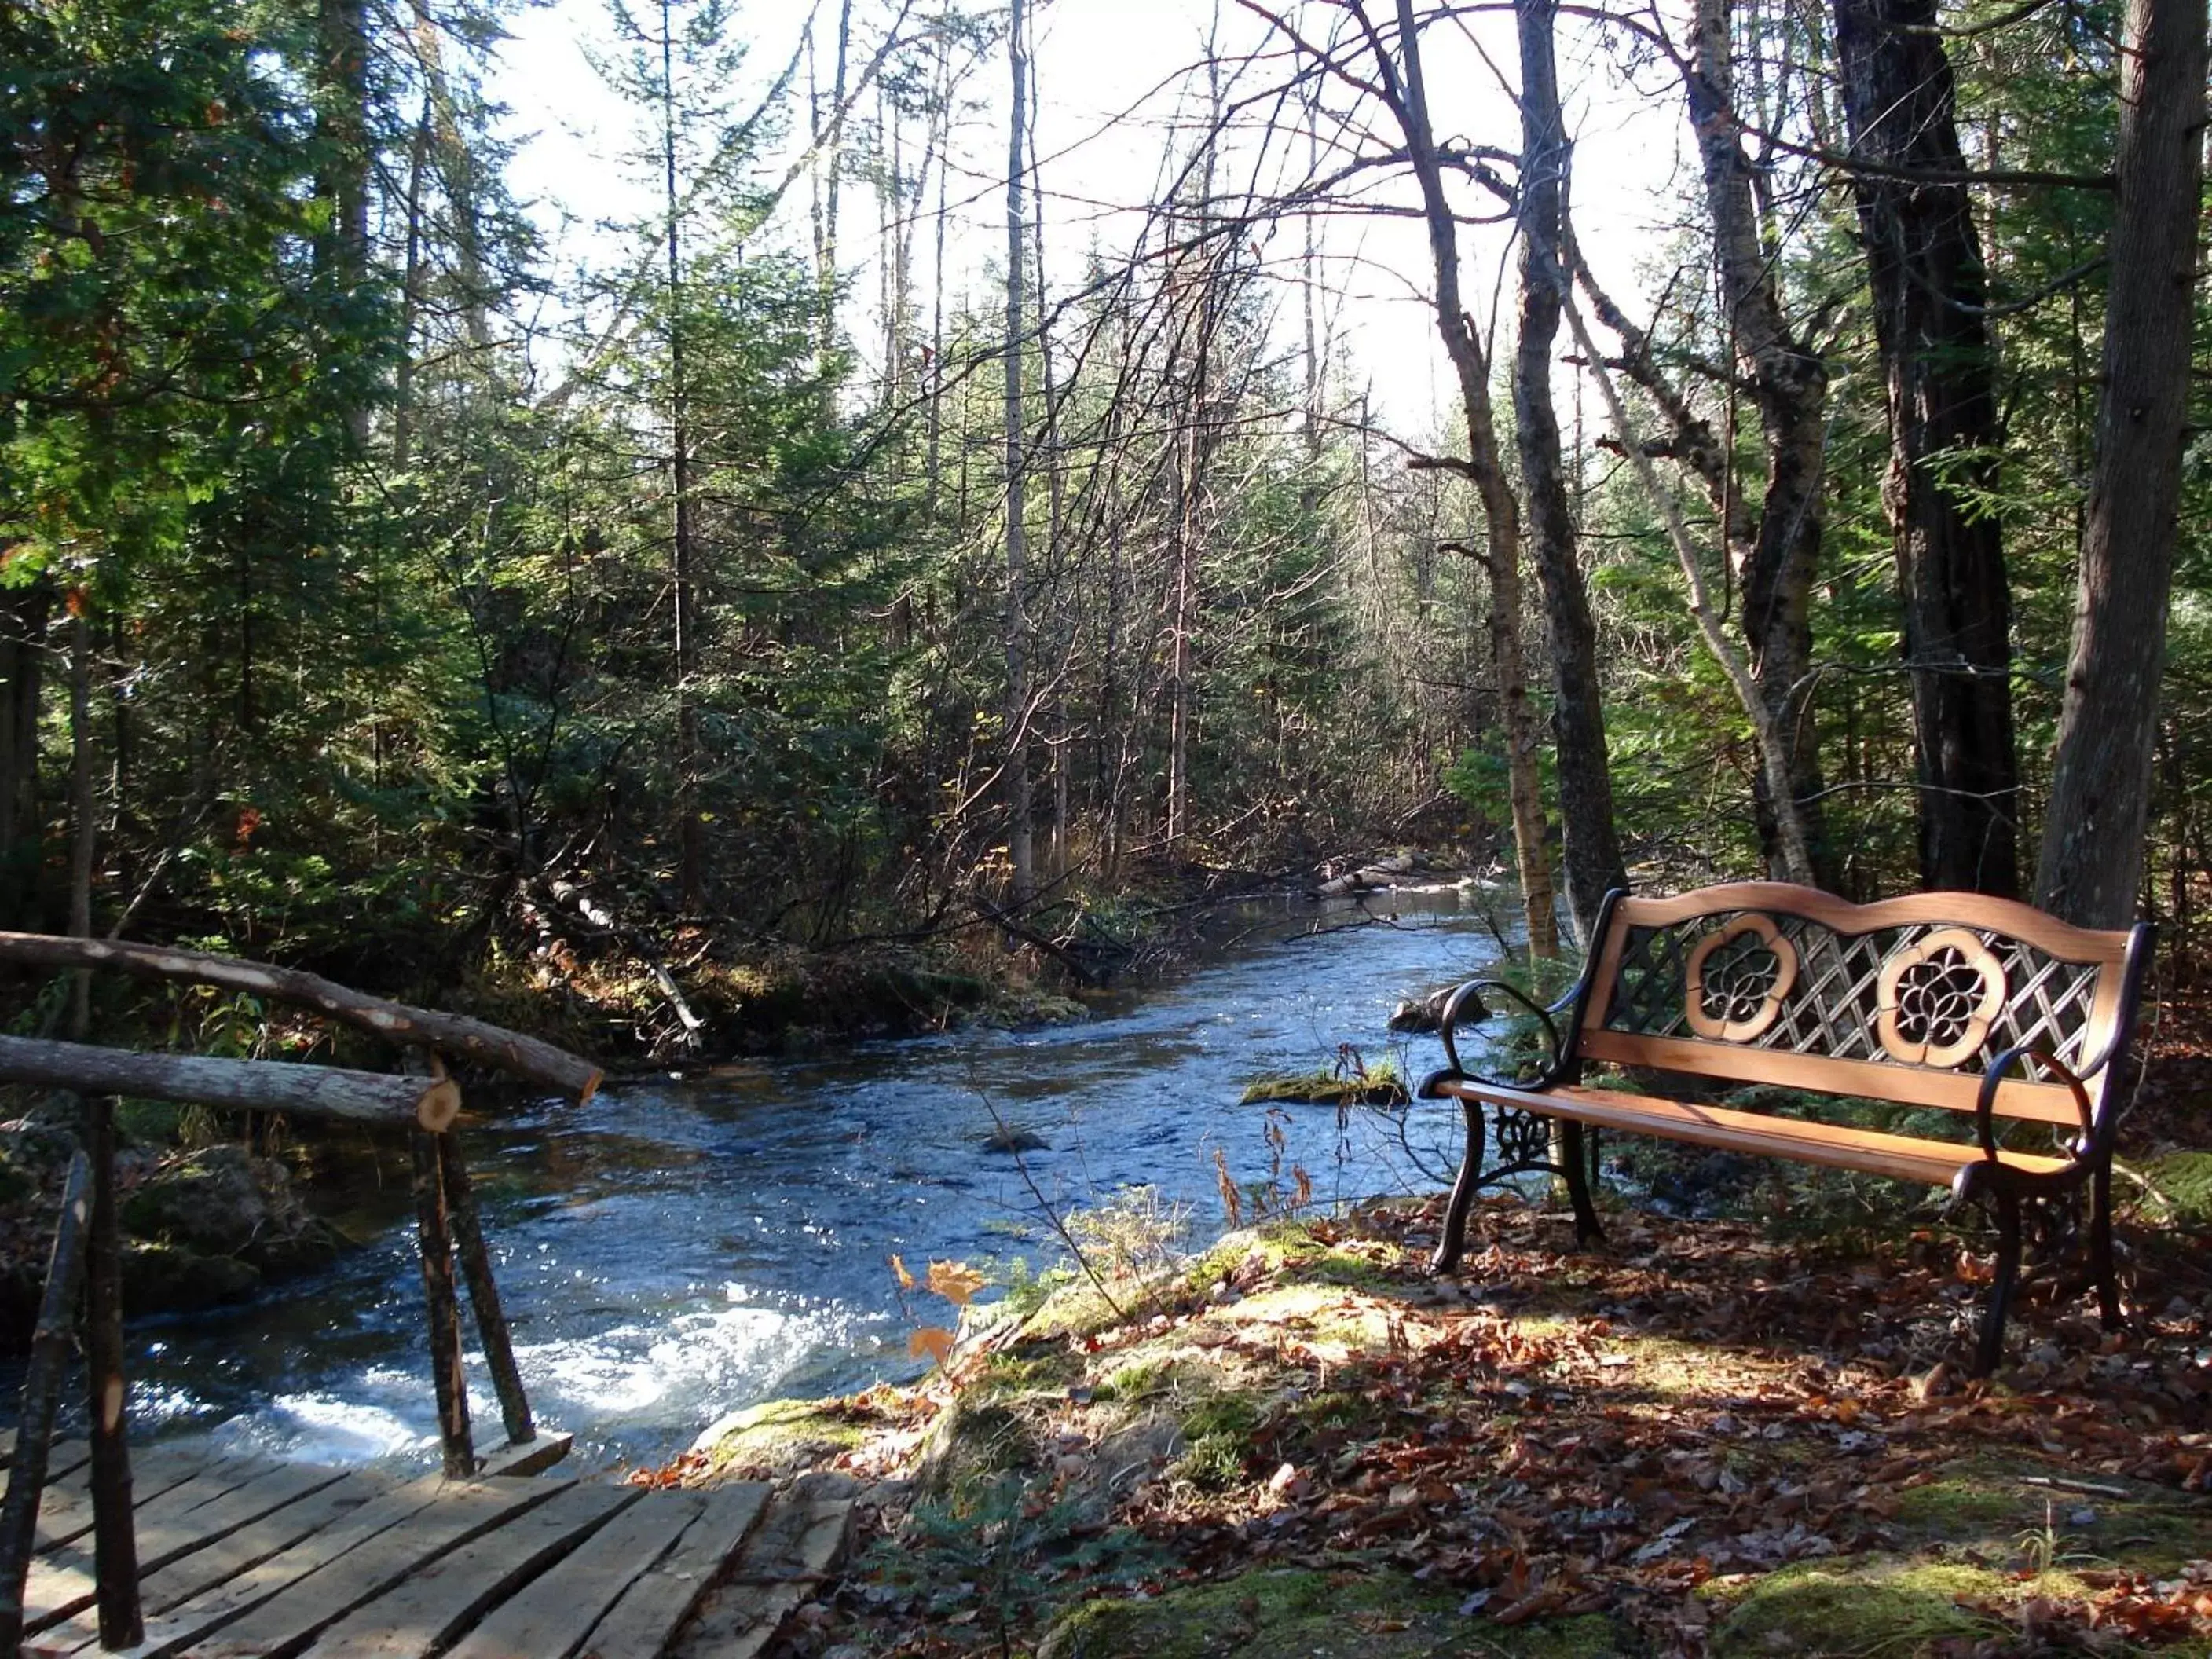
51 1348
484 1291
115 1542
439 1303
443 1307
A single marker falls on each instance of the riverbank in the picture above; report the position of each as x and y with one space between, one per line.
657 996
208 1225
1695 1439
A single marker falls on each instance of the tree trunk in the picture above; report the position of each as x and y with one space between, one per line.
410 294
833 162
1924 267
1790 388
1501 513
342 183
691 873
23 617
2092 860
1018 618
1593 861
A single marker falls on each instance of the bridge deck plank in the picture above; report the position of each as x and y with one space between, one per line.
242 1558
664 1596
592 1581
428 1608
358 1560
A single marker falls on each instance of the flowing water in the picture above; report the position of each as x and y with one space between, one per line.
675 1250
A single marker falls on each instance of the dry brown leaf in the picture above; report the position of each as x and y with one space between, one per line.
956 1281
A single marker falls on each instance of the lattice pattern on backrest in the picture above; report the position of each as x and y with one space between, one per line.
1789 983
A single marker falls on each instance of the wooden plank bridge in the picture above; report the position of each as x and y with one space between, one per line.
244 1557
106 1548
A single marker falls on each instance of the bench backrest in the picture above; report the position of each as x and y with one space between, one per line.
1909 999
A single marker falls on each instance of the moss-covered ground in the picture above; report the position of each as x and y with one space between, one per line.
1694 1438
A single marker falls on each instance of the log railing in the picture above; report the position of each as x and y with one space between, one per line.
422 1100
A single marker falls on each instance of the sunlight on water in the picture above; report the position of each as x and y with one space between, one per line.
678 1250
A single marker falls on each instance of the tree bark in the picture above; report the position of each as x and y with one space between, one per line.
1931 293
253 1086
1016 706
475 1259
23 617
690 860
53 1345
395 1022
1790 388
441 1306
1501 513
341 251
115 1541
2092 860
1593 862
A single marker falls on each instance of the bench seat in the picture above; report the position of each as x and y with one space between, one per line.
1903 1157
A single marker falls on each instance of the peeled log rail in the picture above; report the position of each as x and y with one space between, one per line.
395 1022
52 1346
256 1085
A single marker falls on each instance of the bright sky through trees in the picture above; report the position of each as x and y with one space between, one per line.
1116 79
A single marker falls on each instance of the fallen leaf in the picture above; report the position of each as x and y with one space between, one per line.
956 1281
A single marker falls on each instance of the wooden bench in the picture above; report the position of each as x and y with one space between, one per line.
1986 1007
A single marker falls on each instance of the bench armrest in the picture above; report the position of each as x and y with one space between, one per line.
1985 1101
1453 1072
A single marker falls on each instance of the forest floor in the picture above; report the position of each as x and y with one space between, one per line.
1725 1436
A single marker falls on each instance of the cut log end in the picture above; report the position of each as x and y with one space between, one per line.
439 1105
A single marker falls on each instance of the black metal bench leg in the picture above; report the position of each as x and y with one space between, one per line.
1992 1346
1454 1240
2100 1246
1578 1183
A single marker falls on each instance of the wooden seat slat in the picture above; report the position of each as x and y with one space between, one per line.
1905 1158
2039 1102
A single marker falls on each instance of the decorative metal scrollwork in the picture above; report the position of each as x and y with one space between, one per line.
1524 1139
1936 1000
1738 977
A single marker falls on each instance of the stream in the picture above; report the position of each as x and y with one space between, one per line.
674 1251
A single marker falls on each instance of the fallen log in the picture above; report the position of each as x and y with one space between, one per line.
254 1086
451 1034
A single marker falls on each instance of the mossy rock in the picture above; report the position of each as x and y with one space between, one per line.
1286 1247
169 1278
972 1443
1300 1614
221 1202
2185 1180
778 1438
1865 1607
1380 1087
1028 1369
1990 1502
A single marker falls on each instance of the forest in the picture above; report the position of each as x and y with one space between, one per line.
385 594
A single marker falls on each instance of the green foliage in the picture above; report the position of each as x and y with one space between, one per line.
1000 1548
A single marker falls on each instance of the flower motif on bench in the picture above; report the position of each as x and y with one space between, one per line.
1936 1000
1738 977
